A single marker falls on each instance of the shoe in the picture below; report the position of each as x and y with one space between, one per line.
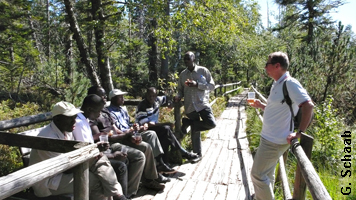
163 168
190 156
154 185
197 159
162 179
185 125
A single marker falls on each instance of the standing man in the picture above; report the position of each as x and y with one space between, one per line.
194 85
276 134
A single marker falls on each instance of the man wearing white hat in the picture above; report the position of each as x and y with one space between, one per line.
102 179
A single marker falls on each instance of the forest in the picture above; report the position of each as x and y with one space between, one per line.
54 50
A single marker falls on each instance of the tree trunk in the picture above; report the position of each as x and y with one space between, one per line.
35 39
68 52
152 42
84 54
165 61
99 31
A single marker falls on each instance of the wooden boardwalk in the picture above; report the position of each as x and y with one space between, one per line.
224 171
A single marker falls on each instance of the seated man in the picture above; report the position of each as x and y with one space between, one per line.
83 133
122 122
148 111
138 161
102 179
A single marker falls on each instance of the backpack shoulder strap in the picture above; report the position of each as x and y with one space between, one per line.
289 102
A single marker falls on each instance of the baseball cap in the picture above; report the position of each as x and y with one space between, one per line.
65 108
116 92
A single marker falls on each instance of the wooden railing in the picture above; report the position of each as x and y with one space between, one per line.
76 154
34 119
305 174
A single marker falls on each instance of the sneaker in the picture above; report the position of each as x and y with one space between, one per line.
196 159
162 179
185 125
163 168
190 156
154 185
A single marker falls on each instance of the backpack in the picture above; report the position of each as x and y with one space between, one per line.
294 118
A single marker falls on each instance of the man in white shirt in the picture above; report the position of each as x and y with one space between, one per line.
276 133
102 179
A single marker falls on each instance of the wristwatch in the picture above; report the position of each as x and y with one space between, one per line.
300 131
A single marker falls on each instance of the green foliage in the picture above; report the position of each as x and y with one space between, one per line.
326 130
253 128
10 159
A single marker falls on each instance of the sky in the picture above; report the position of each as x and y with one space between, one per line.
346 13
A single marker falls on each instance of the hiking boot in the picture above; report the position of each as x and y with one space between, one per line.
185 125
190 156
163 168
196 159
162 179
154 185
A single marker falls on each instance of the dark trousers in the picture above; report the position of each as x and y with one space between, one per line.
167 138
120 169
201 121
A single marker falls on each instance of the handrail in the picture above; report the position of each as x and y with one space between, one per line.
312 180
315 185
33 119
25 178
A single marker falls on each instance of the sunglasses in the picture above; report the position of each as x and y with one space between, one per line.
269 63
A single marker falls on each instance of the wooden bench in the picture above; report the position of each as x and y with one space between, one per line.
29 193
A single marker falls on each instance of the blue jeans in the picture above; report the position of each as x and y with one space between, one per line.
201 121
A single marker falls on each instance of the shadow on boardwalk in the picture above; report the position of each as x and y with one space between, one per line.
224 171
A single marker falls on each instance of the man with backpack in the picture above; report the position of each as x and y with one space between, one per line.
277 130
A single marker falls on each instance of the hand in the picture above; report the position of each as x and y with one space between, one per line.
257 104
190 83
136 141
292 136
118 155
102 146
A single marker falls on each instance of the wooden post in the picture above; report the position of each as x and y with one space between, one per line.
278 177
282 171
300 186
316 187
177 117
81 181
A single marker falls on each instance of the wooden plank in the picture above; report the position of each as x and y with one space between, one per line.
24 121
222 192
178 187
22 179
210 192
41 143
208 162
223 166
234 192
235 173
188 190
199 192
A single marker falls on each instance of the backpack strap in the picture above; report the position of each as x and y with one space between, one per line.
288 101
